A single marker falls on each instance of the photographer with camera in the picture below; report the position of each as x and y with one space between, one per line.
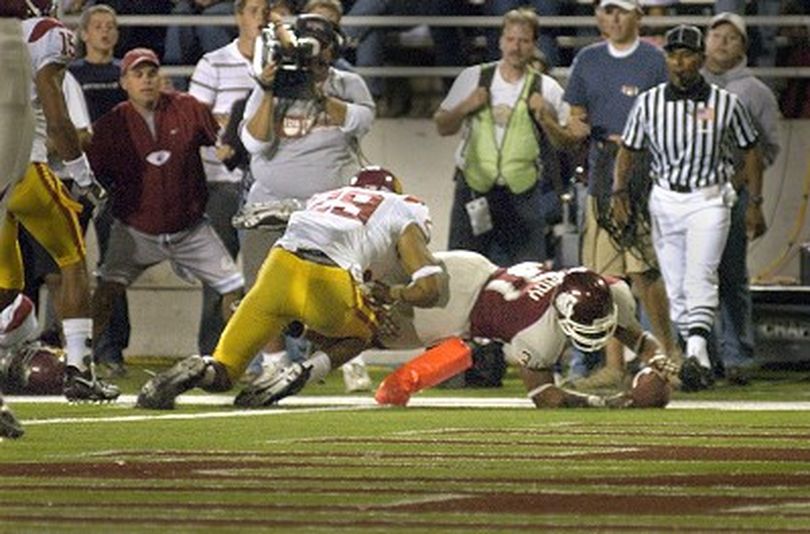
303 124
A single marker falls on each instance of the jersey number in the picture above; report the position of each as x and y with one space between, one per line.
349 204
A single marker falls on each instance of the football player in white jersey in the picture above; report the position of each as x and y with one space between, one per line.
41 203
315 274
535 312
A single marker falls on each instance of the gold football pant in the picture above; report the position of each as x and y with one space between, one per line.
323 297
41 203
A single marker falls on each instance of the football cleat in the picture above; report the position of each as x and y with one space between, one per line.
162 389
695 377
9 426
355 376
270 388
84 386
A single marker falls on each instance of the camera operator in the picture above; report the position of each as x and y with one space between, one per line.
302 125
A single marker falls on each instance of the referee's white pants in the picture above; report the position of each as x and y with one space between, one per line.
689 234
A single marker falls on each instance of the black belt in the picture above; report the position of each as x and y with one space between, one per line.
315 256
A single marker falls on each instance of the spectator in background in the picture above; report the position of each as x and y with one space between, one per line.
136 36
220 78
763 51
186 44
546 39
505 187
301 143
98 72
499 208
725 66
605 79
149 147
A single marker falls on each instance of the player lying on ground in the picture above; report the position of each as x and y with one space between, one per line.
535 312
314 275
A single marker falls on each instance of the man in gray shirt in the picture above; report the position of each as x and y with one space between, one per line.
726 44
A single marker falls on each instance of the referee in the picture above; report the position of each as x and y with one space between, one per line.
690 127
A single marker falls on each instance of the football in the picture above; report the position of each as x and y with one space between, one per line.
650 389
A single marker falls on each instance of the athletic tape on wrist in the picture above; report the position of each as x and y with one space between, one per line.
424 272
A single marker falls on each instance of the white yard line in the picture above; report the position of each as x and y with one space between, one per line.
304 404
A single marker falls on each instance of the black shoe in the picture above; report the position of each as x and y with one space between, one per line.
271 387
695 377
161 390
9 426
85 386
738 376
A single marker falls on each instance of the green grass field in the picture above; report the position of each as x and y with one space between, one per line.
316 465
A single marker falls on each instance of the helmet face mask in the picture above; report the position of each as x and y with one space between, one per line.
41 8
585 309
376 178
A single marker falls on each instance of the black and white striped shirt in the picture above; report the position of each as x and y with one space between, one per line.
689 137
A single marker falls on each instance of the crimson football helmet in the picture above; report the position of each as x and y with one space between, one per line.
376 178
41 8
585 309
33 369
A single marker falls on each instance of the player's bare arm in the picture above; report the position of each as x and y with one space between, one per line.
544 394
61 131
424 289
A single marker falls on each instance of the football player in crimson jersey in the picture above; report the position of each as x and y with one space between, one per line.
315 274
535 312
39 201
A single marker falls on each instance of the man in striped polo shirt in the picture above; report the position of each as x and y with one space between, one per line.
690 128
222 77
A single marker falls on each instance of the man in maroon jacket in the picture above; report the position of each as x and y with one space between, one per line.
149 147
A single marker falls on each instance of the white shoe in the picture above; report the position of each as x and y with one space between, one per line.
355 376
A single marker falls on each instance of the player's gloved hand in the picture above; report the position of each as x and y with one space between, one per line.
618 400
664 365
84 181
376 295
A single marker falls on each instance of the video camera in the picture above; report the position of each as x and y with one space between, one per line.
295 49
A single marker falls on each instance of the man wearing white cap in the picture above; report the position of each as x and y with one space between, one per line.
605 79
726 66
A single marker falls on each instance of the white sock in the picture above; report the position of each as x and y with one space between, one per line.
696 346
321 365
78 333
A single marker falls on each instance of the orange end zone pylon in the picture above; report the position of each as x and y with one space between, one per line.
432 367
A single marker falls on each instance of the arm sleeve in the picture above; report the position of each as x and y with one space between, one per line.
745 133
203 82
634 134
252 145
464 84
76 104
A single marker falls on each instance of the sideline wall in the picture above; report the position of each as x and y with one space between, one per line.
165 310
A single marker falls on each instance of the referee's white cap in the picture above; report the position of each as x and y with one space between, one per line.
730 18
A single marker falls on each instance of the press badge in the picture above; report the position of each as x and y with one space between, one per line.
480 216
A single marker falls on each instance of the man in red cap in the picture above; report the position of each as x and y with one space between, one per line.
149 149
